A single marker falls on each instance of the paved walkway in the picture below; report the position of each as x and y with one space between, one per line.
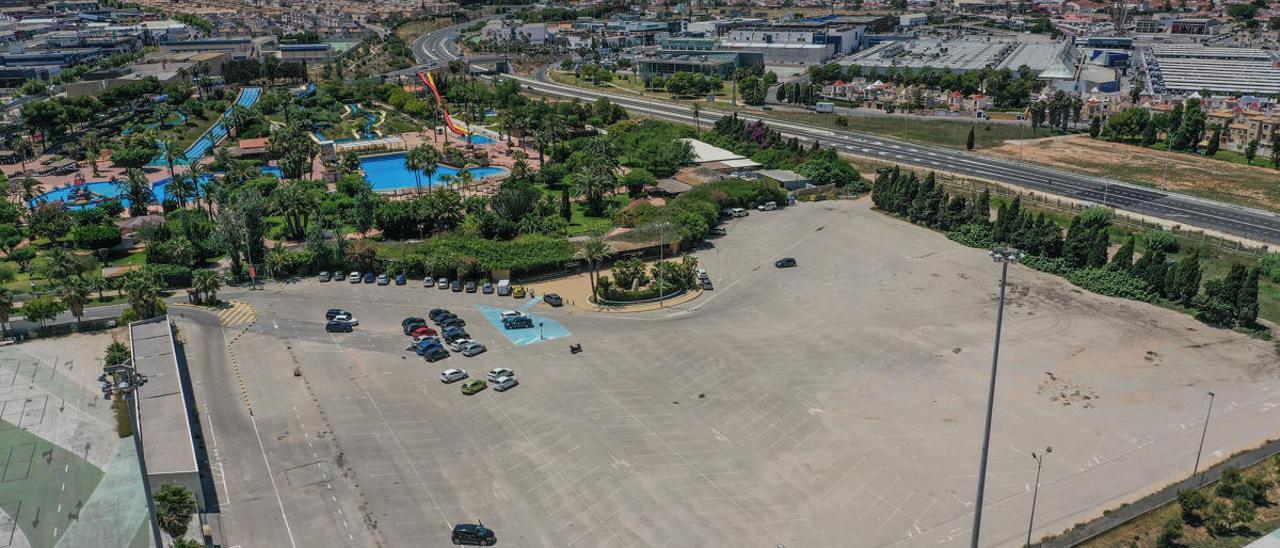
576 292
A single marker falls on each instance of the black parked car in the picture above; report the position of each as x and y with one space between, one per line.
785 263
517 322
476 535
435 313
456 286
450 334
411 319
333 312
452 321
409 328
436 354
553 299
471 287
338 327
706 284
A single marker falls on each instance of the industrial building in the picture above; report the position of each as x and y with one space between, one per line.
799 43
699 55
1187 68
1048 60
315 53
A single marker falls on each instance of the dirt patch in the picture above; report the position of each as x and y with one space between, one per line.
1186 173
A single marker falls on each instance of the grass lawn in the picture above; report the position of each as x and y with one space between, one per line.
582 224
128 258
30 470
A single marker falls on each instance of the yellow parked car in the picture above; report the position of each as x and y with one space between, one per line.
473 386
518 292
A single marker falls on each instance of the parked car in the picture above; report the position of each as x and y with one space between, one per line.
347 317
702 274
495 374
324 276
451 334
435 313
518 292
452 321
334 312
452 375
436 354
727 212
787 262
706 284
426 347
504 288
428 282
456 345
487 288
471 387
719 231
369 277
472 348
511 314
553 299
354 277
468 533
383 279
337 326
522 322
411 320
739 212
767 206
442 283
421 330
456 286
400 279
502 384
471 287
419 339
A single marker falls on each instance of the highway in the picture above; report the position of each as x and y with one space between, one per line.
1188 211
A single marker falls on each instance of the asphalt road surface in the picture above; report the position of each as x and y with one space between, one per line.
1185 210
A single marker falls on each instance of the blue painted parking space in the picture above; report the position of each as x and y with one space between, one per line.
544 329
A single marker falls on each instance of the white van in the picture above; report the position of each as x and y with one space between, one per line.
767 206
504 288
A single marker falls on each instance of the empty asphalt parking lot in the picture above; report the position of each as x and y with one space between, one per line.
834 404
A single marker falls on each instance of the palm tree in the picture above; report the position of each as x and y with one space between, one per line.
594 251
93 150
206 283
6 308
99 284
296 203
143 291
179 188
170 156
198 173
137 189
29 187
24 148
74 294
430 163
595 185
413 161
464 179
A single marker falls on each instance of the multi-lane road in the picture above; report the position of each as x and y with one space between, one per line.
1253 224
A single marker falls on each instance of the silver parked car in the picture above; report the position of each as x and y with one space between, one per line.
452 375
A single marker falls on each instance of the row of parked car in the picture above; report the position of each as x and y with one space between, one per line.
503 288
338 320
503 379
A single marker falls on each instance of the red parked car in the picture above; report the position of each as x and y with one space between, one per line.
423 330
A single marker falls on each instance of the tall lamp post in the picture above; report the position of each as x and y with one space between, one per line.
1035 494
123 380
1004 256
1203 432
662 248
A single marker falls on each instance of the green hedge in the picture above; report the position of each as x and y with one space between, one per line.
530 254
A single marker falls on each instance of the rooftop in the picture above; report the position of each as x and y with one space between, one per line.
704 152
162 401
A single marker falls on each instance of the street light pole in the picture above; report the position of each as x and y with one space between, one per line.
1203 432
662 248
1036 493
124 382
1004 256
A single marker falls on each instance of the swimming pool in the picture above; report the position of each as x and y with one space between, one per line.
388 172
102 190
480 139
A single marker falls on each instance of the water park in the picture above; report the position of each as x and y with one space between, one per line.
215 134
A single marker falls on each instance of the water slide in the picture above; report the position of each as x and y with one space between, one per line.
448 120
215 134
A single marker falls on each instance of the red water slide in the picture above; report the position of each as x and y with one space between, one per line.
448 120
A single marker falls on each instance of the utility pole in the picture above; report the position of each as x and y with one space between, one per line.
1203 432
1036 493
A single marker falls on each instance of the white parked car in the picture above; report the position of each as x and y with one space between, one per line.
500 373
502 384
702 273
767 206
739 212
347 317
457 345
354 277
452 375
442 283
428 282
511 314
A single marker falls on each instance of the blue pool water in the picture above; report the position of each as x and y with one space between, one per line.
198 149
480 140
106 190
387 172
272 170
551 329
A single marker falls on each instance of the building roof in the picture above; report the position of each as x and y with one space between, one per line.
161 403
782 175
704 152
672 186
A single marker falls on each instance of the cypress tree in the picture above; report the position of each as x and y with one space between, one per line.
1186 280
1215 141
1152 268
982 208
1097 255
1247 302
566 210
1123 259
968 144
1074 249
